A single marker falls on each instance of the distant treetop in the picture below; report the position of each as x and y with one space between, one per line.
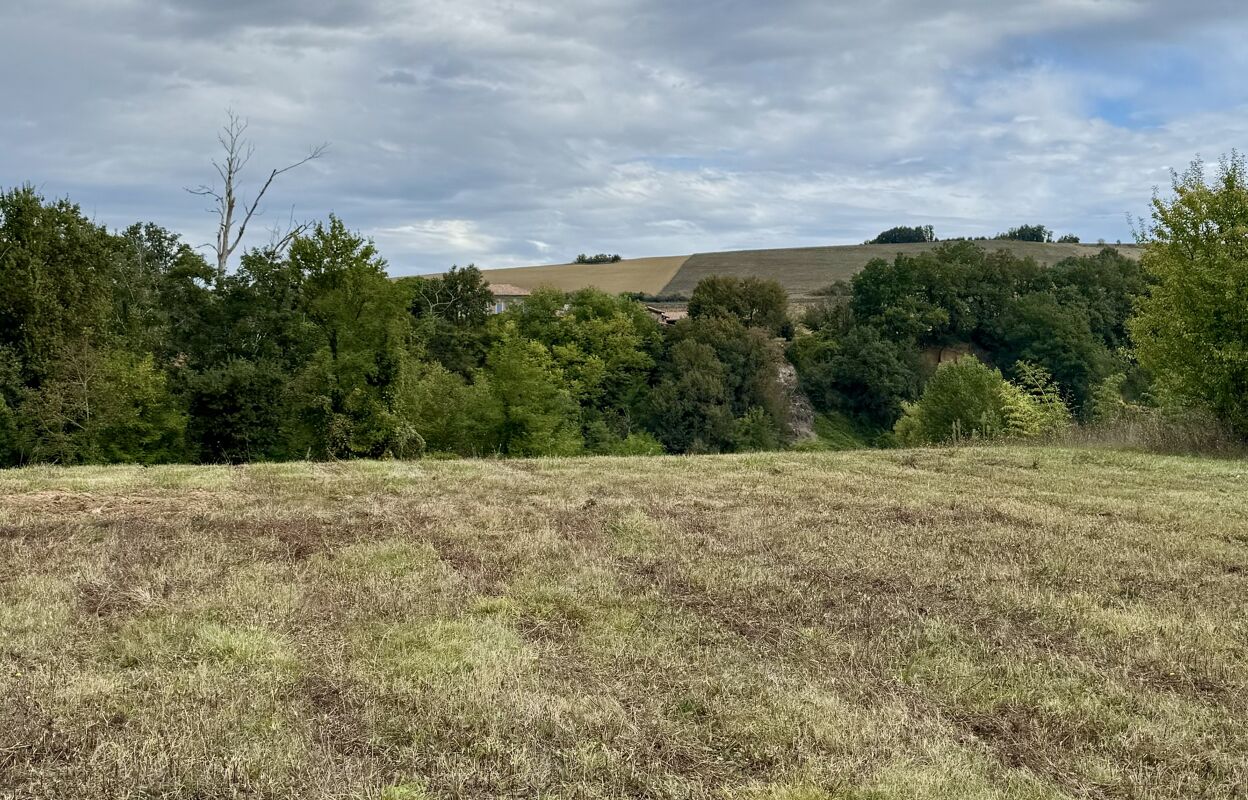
903 235
601 258
1027 233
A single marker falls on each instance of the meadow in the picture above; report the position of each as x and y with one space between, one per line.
947 623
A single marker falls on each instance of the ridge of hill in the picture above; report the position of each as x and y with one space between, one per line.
800 270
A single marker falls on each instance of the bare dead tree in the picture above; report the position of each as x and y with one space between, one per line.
233 213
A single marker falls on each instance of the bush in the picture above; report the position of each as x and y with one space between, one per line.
968 399
1177 431
756 430
635 444
1032 407
963 399
601 258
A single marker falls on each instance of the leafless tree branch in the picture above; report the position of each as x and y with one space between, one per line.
227 205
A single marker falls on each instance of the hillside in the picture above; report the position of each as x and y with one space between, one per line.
805 269
646 275
970 623
800 270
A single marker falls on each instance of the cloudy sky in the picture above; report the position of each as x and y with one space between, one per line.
508 132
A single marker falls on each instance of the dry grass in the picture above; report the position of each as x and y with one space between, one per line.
645 275
803 270
991 623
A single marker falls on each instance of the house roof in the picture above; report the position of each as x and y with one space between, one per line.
668 316
508 290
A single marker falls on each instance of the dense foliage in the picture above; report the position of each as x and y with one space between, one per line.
875 341
1028 233
903 234
600 258
1192 329
129 347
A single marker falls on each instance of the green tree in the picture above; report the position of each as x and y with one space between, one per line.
903 235
57 276
538 415
1191 330
605 346
754 302
1054 331
1108 285
1028 233
690 406
102 407
345 395
239 412
702 392
858 373
450 313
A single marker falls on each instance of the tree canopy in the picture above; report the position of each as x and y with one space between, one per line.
1192 327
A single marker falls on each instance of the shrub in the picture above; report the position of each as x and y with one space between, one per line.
968 399
601 258
1035 401
756 430
635 444
963 399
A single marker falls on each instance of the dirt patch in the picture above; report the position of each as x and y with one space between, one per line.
1043 743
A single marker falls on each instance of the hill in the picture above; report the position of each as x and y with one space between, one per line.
969 623
645 275
799 270
803 270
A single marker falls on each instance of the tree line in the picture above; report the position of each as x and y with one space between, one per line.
128 346
918 234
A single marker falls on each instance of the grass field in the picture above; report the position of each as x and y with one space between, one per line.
972 623
646 275
803 270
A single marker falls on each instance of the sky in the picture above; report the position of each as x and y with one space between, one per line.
513 132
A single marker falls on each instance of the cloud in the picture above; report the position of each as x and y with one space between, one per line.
518 131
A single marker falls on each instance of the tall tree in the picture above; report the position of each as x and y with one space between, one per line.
1192 327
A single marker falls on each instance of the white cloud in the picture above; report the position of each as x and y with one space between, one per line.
514 131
